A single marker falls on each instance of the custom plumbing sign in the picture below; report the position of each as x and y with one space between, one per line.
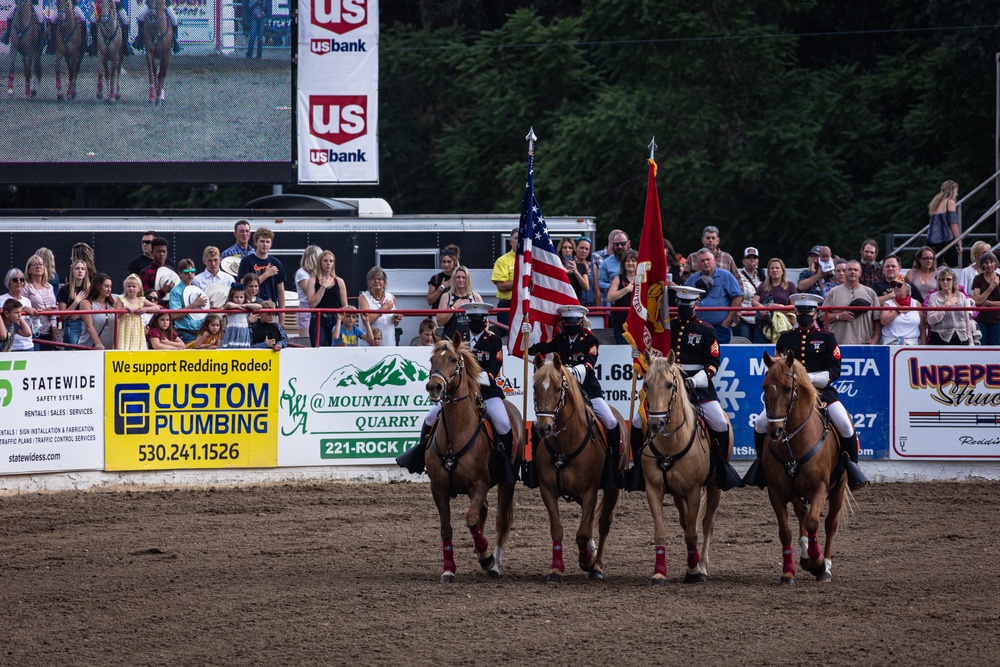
191 409
946 404
51 412
337 91
351 405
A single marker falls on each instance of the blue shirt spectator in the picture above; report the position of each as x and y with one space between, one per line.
611 266
723 290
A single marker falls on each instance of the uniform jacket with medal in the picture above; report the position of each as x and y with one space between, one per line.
697 348
488 351
818 351
583 350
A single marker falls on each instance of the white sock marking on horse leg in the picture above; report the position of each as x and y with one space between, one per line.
497 559
804 548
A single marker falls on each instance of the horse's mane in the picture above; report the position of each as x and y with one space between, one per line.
776 374
472 369
549 372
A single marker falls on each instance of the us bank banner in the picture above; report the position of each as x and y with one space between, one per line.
946 403
337 91
191 409
51 412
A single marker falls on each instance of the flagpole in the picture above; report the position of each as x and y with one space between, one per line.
531 139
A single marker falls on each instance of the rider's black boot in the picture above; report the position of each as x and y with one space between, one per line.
413 458
612 477
501 469
140 36
755 475
126 46
49 37
529 473
726 477
634 480
5 37
92 42
855 478
177 44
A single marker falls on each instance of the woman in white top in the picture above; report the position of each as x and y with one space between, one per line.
43 298
308 270
902 324
14 282
376 297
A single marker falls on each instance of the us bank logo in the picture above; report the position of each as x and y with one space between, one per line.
131 409
339 16
338 119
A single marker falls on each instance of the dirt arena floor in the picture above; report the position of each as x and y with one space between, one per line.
347 573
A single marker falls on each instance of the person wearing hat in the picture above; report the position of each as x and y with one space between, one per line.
853 327
817 278
212 275
488 350
750 276
697 351
577 347
818 351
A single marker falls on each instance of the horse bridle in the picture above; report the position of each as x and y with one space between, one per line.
561 459
791 464
665 416
449 459
560 404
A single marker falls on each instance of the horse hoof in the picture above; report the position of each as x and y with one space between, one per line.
825 577
100 96
804 563
554 579
493 573
787 581
487 563
818 571
448 578
59 98
595 575
658 580
697 578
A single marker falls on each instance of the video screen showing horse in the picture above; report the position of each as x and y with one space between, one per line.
146 91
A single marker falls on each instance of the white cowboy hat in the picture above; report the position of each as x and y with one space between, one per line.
231 264
191 294
164 275
217 294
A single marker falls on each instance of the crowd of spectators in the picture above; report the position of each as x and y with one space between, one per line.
867 300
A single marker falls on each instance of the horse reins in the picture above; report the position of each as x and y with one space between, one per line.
560 459
449 459
792 465
666 461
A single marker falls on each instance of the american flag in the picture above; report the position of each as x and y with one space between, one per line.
646 325
540 281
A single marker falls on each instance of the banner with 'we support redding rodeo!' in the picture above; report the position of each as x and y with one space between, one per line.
337 91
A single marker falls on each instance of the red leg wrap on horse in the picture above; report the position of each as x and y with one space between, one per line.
788 563
586 555
661 560
814 550
693 557
448 560
479 540
557 557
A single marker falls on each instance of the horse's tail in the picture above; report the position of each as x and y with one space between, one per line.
703 504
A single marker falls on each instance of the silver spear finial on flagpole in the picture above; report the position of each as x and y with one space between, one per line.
652 148
531 139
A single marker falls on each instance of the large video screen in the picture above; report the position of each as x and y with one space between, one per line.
224 113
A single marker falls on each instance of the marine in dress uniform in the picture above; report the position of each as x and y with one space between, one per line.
697 351
577 348
488 350
818 351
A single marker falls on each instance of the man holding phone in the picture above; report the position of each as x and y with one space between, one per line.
818 277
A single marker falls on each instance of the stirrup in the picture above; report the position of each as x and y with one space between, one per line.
755 475
855 478
529 474
413 459
634 479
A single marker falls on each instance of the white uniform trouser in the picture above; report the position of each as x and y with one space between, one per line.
495 410
714 416
141 14
603 413
838 417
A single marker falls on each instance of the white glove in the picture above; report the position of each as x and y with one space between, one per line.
820 379
579 372
699 380
484 377
526 328
635 353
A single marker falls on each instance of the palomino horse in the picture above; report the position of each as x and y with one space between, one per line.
70 36
675 459
25 41
802 464
571 458
158 41
458 456
109 47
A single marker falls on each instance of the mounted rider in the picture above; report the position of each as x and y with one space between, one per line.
488 350
45 17
818 351
139 42
696 349
93 28
577 347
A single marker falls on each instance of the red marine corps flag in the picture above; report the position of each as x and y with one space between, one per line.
540 281
646 325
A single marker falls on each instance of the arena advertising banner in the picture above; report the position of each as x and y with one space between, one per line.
945 404
864 377
337 91
191 409
51 412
